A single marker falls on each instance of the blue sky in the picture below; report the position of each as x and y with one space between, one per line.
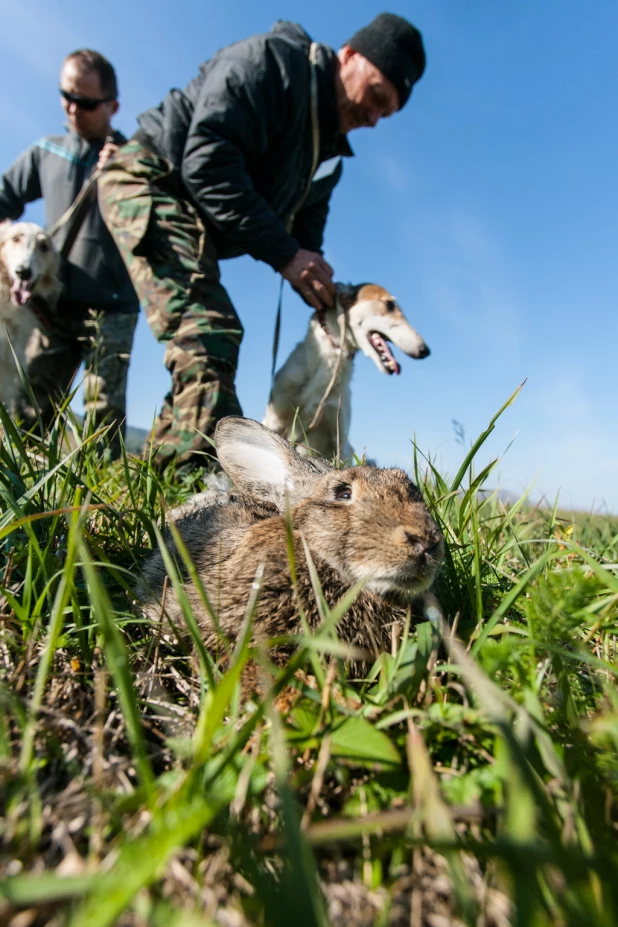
489 207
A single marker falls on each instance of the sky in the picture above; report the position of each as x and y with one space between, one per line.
488 207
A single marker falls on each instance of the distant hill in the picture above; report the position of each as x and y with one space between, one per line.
135 438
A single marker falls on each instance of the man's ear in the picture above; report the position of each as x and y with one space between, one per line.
345 53
114 106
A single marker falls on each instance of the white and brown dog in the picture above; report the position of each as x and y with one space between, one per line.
29 290
316 376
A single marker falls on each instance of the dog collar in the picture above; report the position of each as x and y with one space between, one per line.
321 317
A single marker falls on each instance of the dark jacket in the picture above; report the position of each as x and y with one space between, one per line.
240 138
55 168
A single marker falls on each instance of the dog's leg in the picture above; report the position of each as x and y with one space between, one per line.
284 397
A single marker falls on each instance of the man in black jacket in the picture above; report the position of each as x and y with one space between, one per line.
96 318
225 167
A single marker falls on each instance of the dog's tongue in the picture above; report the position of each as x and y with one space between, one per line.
20 293
386 355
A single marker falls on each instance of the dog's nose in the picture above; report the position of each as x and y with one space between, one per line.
423 351
24 273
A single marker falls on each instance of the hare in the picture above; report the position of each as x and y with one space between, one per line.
360 524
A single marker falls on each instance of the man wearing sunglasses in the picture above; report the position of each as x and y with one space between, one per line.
96 318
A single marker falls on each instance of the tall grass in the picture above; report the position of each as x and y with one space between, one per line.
472 776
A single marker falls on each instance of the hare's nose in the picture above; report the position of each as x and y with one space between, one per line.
427 545
409 538
412 538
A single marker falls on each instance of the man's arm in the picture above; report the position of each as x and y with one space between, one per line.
20 184
243 105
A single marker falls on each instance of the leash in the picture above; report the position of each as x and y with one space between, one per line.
343 330
315 134
276 334
321 317
343 319
73 219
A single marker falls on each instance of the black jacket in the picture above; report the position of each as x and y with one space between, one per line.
240 137
55 168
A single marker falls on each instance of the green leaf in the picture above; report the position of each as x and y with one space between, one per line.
357 740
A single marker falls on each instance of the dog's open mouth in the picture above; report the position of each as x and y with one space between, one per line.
380 346
21 291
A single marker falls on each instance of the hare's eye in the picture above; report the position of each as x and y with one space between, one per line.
343 493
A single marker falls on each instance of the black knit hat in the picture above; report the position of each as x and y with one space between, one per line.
395 46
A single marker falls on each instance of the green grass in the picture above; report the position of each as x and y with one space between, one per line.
473 775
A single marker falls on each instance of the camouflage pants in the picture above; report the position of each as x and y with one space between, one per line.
176 276
103 342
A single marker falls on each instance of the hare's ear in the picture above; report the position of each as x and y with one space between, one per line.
263 464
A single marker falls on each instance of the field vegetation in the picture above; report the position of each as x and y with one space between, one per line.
471 778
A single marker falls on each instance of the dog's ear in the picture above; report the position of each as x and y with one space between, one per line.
4 227
347 294
263 464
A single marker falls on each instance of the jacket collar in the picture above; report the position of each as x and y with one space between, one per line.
334 142
83 145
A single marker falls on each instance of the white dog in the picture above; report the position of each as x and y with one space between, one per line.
311 393
29 290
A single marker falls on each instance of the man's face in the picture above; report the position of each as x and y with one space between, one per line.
364 94
89 124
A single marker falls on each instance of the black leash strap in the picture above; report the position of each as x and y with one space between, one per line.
277 332
315 135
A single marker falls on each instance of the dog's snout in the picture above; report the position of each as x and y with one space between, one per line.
423 351
24 273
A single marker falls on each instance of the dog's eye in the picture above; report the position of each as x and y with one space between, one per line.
343 493
390 305
16 239
43 246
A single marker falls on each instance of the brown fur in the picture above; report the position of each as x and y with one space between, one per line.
383 534
350 293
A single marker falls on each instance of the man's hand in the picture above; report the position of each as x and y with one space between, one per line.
108 150
309 273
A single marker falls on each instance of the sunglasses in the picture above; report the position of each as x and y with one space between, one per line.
87 103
